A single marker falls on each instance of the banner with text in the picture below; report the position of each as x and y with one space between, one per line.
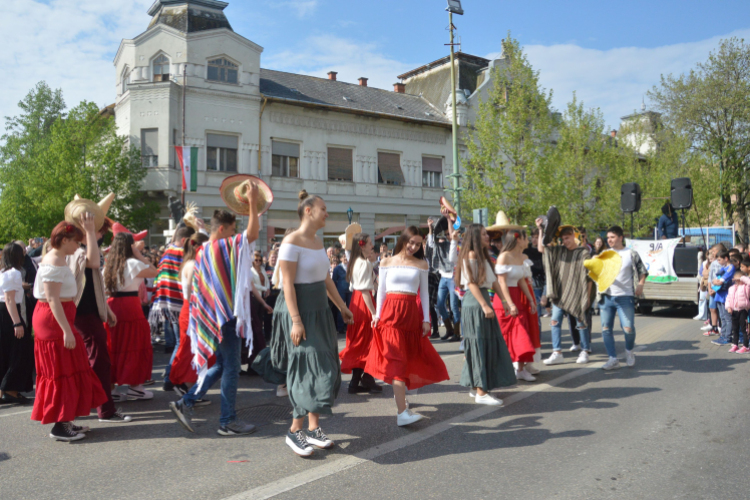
658 257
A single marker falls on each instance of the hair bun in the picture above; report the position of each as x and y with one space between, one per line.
303 194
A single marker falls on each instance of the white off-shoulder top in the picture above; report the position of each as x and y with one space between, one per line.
312 265
11 281
407 279
132 282
55 274
362 276
514 273
489 278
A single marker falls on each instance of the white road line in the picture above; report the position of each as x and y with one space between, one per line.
16 413
334 467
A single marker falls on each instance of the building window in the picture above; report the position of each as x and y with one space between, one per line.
221 152
161 69
432 172
150 147
285 159
389 169
125 81
222 70
340 164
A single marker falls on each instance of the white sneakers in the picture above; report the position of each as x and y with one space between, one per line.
629 358
282 391
487 399
575 348
707 328
555 359
407 417
472 393
583 358
531 369
524 375
612 363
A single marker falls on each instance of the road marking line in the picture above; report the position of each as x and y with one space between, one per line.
289 483
17 413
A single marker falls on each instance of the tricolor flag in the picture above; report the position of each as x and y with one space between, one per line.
188 158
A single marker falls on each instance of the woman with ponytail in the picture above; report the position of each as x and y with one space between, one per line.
359 335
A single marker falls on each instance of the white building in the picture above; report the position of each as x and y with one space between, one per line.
381 153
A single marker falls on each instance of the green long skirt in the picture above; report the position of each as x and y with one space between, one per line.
488 364
313 370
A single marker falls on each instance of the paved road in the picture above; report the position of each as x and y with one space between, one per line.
674 426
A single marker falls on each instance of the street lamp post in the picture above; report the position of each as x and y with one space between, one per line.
454 7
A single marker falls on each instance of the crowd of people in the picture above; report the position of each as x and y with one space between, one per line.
225 305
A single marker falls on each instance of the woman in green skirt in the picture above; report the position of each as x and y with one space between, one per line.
302 317
488 365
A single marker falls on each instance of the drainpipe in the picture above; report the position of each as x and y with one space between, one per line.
260 128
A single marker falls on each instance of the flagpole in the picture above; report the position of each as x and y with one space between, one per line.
182 170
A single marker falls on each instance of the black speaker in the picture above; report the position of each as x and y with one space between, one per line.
682 193
630 197
685 261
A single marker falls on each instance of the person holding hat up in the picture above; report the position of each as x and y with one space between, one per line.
569 288
220 311
620 298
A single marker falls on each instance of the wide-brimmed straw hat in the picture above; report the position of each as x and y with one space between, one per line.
118 228
502 223
560 229
604 268
79 206
347 238
234 193
448 207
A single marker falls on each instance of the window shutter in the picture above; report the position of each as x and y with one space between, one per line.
285 149
389 165
150 142
432 164
221 141
340 164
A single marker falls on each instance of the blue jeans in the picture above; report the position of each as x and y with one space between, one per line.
174 327
625 309
171 334
227 368
555 321
445 290
726 321
538 292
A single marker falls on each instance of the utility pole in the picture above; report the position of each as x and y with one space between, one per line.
184 92
454 6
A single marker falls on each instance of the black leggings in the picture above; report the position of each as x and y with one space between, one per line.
739 320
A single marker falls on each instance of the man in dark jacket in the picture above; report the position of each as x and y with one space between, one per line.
668 224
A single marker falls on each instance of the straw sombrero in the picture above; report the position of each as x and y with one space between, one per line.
502 223
79 206
566 226
604 268
234 193
347 238
191 215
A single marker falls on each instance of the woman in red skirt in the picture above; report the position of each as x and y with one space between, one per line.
130 339
182 369
66 386
400 352
359 335
516 310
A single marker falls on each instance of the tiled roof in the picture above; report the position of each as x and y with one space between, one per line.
347 97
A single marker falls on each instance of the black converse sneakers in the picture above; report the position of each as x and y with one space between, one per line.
318 439
297 441
63 431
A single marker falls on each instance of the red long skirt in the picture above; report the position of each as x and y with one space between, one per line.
66 386
358 335
182 366
398 350
521 332
129 342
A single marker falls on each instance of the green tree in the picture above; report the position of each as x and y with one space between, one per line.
49 156
710 108
509 138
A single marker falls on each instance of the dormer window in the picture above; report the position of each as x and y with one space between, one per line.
222 70
161 69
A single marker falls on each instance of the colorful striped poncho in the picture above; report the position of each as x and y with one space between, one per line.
222 285
168 295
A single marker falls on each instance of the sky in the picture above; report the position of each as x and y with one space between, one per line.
609 53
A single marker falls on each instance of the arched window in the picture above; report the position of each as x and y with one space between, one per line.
161 69
125 80
222 70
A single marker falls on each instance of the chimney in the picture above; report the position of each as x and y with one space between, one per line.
332 75
399 88
363 81
613 133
